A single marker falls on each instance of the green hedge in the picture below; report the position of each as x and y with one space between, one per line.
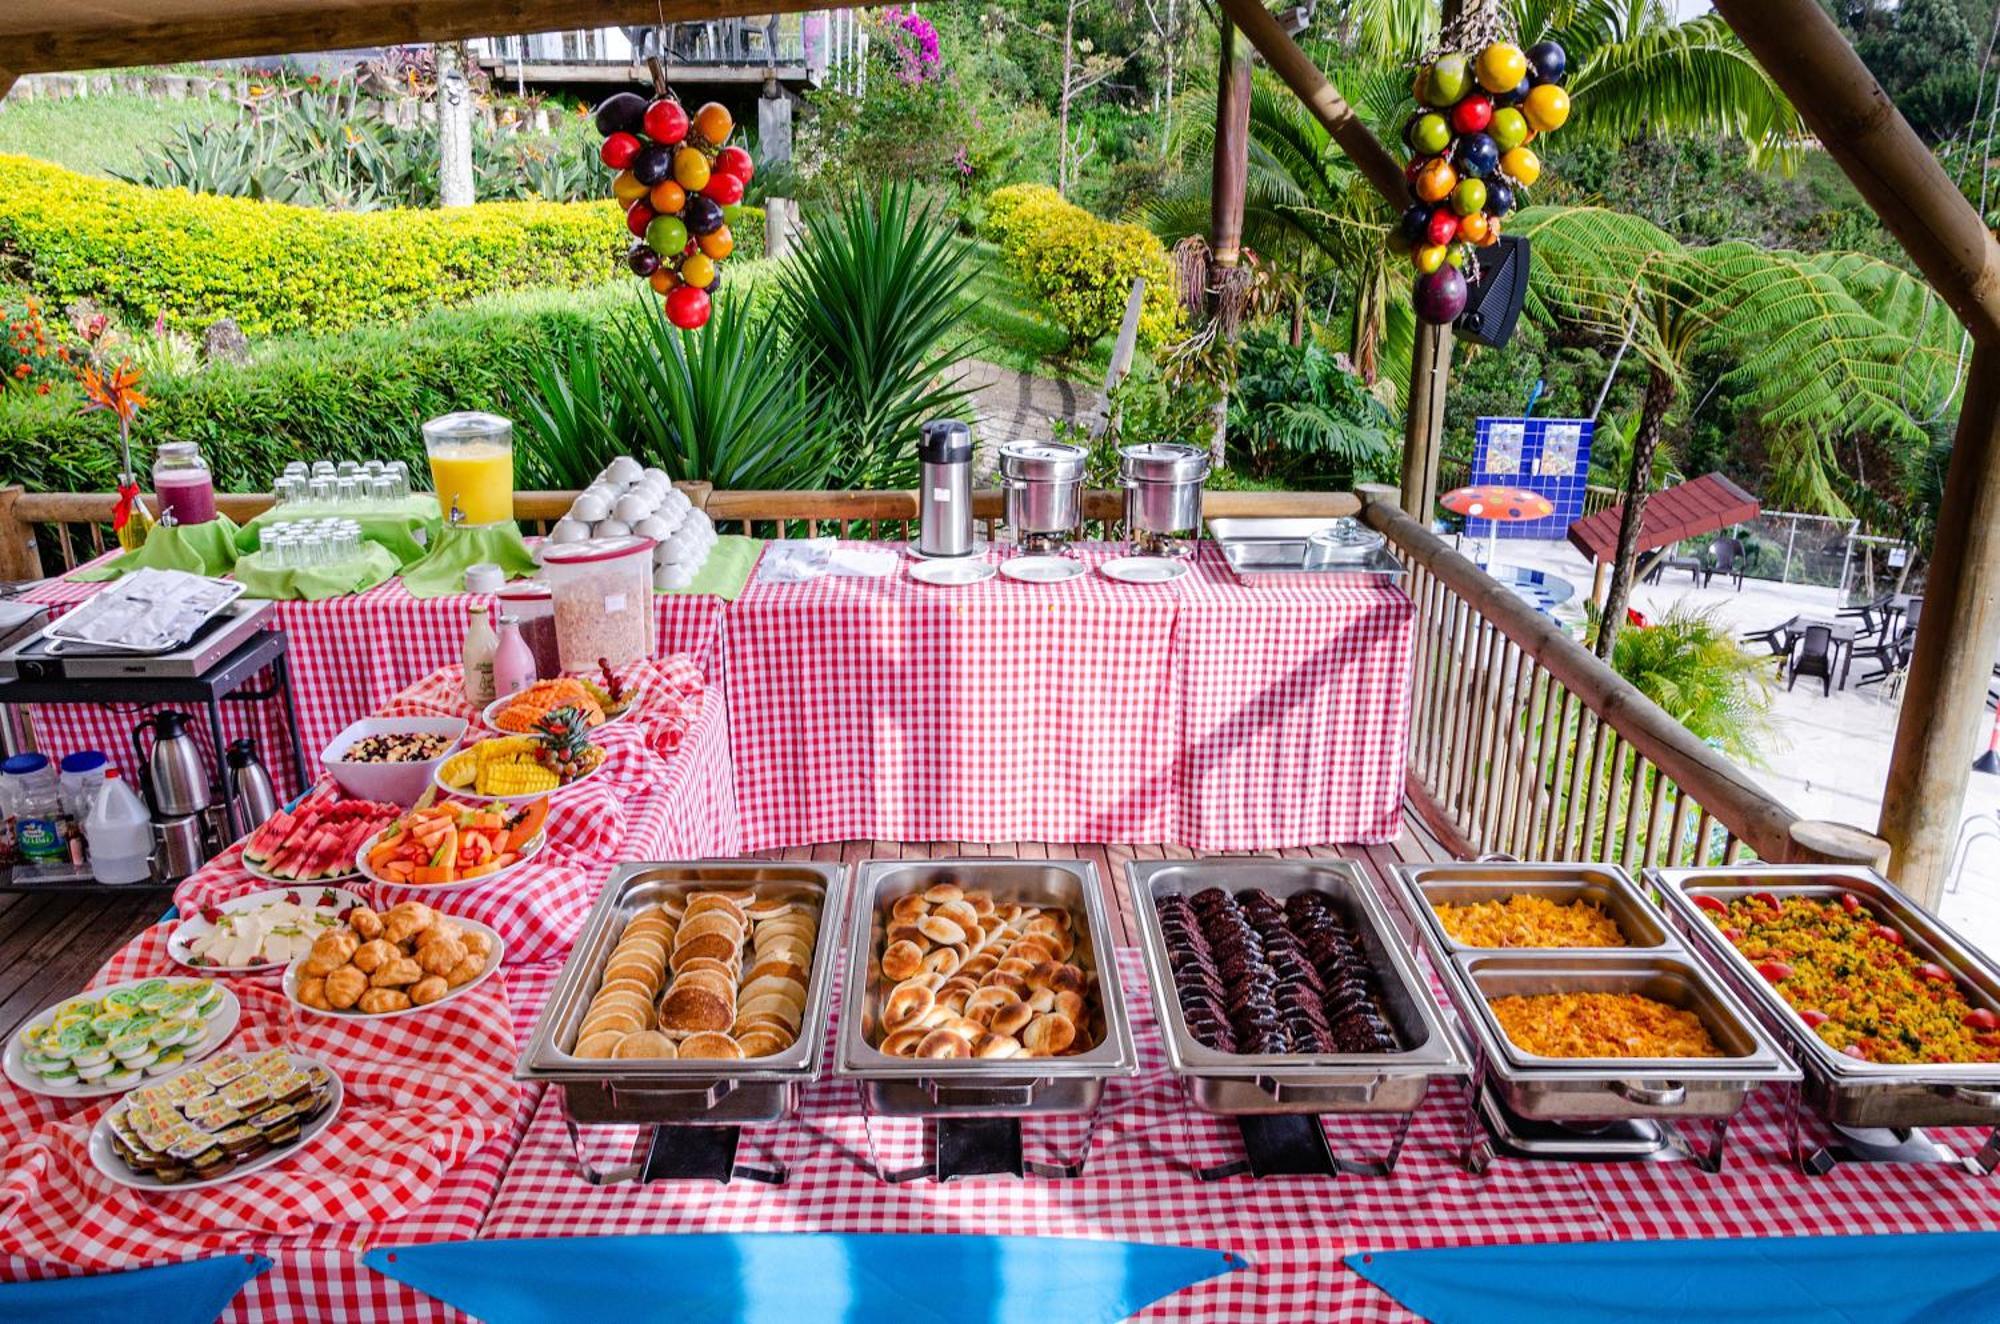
1080 267
358 395
150 253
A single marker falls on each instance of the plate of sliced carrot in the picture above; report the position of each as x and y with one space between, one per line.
451 844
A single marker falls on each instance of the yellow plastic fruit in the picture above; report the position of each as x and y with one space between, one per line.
718 243
713 122
698 270
1501 67
1429 258
1522 166
1547 107
668 198
625 187
1435 180
690 169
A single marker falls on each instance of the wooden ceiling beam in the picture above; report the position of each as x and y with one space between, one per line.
1859 126
229 32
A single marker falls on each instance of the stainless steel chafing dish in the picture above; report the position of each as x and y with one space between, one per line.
709 1092
1234 1084
898 1086
1428 885
1845 1090
1579 1091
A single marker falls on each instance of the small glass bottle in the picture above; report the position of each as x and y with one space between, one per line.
480 645
513 660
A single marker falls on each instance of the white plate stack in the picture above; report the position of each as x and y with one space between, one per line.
627 498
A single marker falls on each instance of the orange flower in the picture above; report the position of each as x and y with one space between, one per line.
21 370
43 389
117 392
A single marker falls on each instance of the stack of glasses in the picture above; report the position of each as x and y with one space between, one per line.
347 484
303 544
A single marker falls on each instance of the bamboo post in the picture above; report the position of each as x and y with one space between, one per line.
1944 695
1423 422
19 558
1229 168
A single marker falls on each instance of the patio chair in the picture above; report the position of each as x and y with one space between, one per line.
1814 657
1872 615
1890 656
1778 639
1726 559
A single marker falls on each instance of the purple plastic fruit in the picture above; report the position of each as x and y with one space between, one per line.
622 112
1440 296
702 214
653 164
643 260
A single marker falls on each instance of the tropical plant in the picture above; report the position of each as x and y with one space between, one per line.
1689 663
871 303
1298 411
573 421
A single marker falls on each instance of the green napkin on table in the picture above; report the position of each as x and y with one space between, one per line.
401 526
356 574
726 572
443 569
199 549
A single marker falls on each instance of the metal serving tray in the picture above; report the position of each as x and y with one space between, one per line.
1427 885
753 1090
1273 551
1237 1084
1609 1089
1846 1090
897 1086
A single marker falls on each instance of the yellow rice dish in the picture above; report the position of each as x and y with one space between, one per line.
1602 1025
1527 920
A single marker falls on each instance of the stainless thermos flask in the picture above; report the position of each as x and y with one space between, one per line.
944 504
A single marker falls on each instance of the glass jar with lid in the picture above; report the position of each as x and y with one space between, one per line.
183 484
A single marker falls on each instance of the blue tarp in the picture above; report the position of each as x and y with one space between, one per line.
191 1293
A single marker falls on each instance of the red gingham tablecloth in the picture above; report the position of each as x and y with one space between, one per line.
1199 711
1292 1230
349 656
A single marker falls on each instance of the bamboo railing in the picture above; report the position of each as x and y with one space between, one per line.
1523 743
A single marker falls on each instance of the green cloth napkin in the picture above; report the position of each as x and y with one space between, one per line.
442 571
401 526
356 574
198 549
726 572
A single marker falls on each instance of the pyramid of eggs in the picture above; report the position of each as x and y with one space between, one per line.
627 498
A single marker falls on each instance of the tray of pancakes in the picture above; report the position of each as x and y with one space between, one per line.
215 1122
698 979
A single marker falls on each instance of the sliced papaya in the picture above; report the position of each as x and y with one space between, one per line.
533 816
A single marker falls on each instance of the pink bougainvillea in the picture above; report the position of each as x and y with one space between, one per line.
914 43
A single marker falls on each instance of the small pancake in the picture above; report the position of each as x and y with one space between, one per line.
720 946
647 1044
763 1043
712 1045
602 1044
775 1003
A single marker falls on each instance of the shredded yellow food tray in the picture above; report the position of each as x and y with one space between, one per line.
1527 920
1602 1025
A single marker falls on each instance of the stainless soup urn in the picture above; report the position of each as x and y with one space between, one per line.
1162 482
1044 481
944 502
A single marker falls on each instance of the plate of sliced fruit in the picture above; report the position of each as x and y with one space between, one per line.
315 841
555 756
451 844
601 703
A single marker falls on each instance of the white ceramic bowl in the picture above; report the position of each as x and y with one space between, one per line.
395 783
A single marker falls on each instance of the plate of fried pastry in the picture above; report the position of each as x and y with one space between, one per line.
718 974
393 962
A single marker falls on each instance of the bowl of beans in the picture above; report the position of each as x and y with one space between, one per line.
391 758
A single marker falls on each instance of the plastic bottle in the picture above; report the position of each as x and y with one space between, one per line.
480 645
120 834
82 778
513 660
36 800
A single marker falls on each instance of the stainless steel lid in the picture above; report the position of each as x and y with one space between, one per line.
1162 462
1043 461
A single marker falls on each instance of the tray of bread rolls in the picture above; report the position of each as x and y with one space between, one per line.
698 992
981 987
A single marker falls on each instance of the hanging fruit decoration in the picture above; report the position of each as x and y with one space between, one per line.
675 175
1470 159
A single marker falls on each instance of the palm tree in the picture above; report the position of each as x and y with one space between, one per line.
1690 664
1819 364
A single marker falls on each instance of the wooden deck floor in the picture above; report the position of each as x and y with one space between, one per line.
51 943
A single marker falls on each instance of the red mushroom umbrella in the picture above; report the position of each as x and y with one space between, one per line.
1497 504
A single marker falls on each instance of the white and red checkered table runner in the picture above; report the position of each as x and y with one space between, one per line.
1197 711
349 656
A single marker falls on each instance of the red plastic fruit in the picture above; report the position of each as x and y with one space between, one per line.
637 217
687 307
619 150
666 121
1472 115
736 161
1443 227
725 189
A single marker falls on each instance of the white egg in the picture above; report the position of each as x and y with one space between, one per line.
589 507
632 507
654 527
610 528
680 576
625 470
700 519
569 529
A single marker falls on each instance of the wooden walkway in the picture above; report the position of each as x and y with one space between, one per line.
52 942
